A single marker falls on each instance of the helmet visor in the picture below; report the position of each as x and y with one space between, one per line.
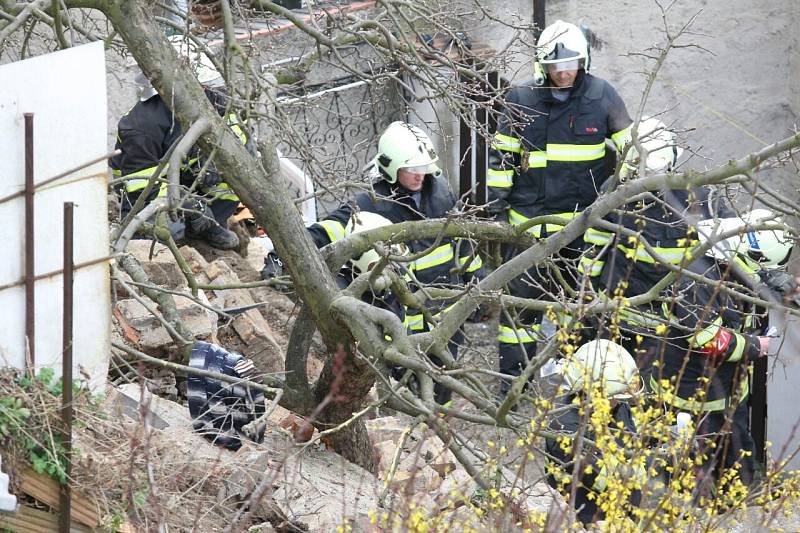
421 169
561 66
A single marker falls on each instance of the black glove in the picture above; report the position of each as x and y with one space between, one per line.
211 178
497 210
779 281
273 266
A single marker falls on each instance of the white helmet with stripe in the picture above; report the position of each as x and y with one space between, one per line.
767 248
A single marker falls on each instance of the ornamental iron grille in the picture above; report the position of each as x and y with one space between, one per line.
333 133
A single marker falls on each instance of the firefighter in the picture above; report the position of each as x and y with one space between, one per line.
607 365
693 345
145 135
549 157
410 186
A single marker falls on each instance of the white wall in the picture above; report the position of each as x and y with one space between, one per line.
66 91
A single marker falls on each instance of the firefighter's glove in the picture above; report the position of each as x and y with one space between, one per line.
273 266
783 284
497 211
779 281
211 178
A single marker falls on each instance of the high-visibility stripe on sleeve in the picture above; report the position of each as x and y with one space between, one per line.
223 191
508 335
673 256
576 152
136 181
671 397
504 143
236 126
474 265
516 218
537 159
636 317
591 266
438 256
705 335
414 322
333 228
500 178
595 236
738 350
621 137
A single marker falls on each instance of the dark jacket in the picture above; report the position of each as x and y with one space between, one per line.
452 263
548 156
706 316
591 477
145 135
679 328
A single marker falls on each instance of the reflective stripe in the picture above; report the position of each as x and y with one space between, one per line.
739 350
236 126
139 179
673 256
595 236
500 178
440 255
116 172
706 335
333 228
575 152
417 322
223 191
506 143
516 219
414 322
750 267
162 190
507 335
537 159
621 137
476 263
691 405
637 317
590 266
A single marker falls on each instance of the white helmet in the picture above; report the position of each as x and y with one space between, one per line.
661 145
768 248
564 46
604 363
405 146
201 65
363 221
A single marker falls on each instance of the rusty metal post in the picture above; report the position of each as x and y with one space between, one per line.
65 500
30 304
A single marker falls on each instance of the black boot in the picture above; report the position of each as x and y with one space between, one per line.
202 225
219 237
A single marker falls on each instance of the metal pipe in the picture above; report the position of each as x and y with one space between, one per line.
30 303
538 18
65 499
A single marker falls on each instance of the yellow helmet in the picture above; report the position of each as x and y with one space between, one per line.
604 363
